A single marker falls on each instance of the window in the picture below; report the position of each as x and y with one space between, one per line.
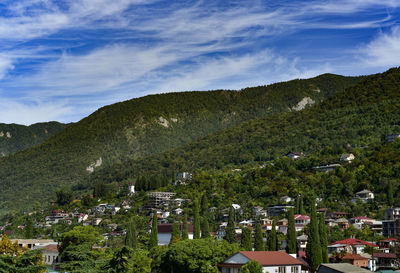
294 269
282 269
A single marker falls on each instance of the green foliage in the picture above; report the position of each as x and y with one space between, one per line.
63 196
205 229
314 251
154 232
230 234
291 234
272 240
323 238
29 262
131 235
175 234
127 260
79 235
28 229
258 239
185 232
196 220
197 256
251 267
245 243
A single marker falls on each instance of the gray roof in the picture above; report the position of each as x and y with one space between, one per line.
342 268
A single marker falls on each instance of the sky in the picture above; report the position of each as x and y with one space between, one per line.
63 59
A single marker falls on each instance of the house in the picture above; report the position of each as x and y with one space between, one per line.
286 199
343 223
278 210
347 157
385 260
354 259
271 262
131 188
392 138
32 243
282 225
391 224
177 211
55 217
326 168
350 245
294 155
220 233
259 211
359 221
364 196
93 222
165 231
302 242
301 220
341 268
387 243
50 254
182 178
337 214
160 199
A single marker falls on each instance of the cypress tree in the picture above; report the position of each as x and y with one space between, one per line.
314 251
131 235
230 235
196 221
204 205
258 239
390 193
245 243
301 206
154 232
272 238
205 230
323 238
185 233
28 229
175 234
291 246
298 204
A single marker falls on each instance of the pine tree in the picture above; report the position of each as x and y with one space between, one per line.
298 204
204 205
196 221
154 232
314 251
245 243
205 230
301 206
175 234
323 239
28 229
390 193
291 247
258 239
131 235
185 233
273 238
230 235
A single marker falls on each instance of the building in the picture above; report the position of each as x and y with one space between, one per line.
50 254
165 231
278 210
302 242
391 224
359 221
341 268
392 138
286 199
364 196
326 168
354 259
337 214
158 199
387 243
271 262
385 260
347 157
294 155
350 245
31 244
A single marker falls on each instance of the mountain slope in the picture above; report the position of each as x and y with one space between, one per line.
361 115
14 137
147 126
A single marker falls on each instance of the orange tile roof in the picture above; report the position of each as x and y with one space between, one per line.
266 258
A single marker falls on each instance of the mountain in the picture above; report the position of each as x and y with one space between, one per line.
14 137
360 116
147 126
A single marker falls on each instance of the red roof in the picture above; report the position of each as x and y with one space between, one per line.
351 241
389 240
266 258
350 256
384 255
50 248
362 218
301 217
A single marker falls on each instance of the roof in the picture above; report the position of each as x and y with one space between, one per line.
385 255
350 256
351 241
50 248
364 191
301 217
341 267
362 218
389 240
266 258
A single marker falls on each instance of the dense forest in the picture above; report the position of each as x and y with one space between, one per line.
147 126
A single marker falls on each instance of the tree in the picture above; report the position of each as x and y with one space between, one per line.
154 232
273 238
126 260
258 239
301 205
291 234
175 234
197 256
196 221
323 238
230 234
185 232
64 196
204 205
131 235
77 236
390 193
8 248
205 230
29 261
313 249
245 243
28 229
251 267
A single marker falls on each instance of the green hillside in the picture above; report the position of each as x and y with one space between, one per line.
14 137
147 126
362 115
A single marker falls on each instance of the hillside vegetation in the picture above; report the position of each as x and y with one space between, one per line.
14 137
143 127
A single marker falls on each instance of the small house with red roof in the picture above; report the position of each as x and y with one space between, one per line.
301 221
354 259
271 262
387 243
385 260
349 245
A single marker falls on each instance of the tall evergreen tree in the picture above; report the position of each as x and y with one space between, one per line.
175 234
204 205
131 235
291 246
314 251
230 235
154 232
196 221
323 239
273 238
205 228
301 205
390 193
245 243
185 232
28 229
259 239
298 204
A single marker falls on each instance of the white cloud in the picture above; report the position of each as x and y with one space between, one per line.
383 51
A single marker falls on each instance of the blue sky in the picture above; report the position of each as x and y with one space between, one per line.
62 60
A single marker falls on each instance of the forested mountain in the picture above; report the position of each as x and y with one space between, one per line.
147 126
15 137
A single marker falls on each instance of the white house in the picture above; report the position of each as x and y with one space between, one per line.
271 262
364 196
347 157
